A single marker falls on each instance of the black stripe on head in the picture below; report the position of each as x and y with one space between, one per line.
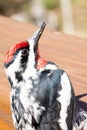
23 57
6 65
13 51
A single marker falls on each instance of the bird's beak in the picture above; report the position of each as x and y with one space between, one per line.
37 34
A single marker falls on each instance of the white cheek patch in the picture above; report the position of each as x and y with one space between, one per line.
15 66
64 99
31 58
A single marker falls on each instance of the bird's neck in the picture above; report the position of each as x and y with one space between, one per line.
40 62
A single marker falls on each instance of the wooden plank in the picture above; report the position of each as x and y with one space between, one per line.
68 52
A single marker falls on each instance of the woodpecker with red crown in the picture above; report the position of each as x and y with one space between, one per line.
42 96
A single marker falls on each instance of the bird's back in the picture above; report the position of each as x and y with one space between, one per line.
49 93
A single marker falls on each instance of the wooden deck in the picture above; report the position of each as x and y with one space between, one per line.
68 52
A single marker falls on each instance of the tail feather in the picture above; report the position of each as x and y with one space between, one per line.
80 115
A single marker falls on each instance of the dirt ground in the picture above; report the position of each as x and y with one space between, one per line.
68 52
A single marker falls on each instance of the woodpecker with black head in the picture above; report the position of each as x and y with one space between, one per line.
42 96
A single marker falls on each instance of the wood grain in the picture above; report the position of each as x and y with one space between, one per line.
68 52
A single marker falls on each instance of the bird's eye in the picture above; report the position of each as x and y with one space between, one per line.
25 52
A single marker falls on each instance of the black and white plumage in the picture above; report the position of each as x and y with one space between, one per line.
42 96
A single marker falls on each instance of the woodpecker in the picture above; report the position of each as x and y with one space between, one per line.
42 96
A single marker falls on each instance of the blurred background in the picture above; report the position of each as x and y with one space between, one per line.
68 16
